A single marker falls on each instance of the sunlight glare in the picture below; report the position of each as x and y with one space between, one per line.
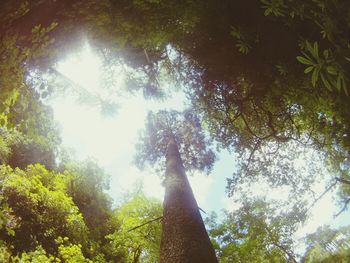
83 68
111 141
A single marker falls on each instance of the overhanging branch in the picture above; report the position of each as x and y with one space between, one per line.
344 181
148 222
325 192
347 201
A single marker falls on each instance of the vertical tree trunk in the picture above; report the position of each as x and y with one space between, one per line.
184 238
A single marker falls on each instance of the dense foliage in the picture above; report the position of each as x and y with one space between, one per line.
328 245
185 128
256 232
42 218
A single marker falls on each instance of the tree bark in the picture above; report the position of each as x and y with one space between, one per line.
184 238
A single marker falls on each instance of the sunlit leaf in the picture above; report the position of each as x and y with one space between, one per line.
314 76
332 70
338 85
315 49
326 53
304 60
308 69
326 82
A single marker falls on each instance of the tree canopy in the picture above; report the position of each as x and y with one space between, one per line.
185 129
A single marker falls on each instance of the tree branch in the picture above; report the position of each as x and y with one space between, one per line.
202 210
325 192
256 147
251 132
148 222
285 251
347 201
280 246
341 180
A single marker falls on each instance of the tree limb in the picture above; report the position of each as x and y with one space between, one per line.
285 251
347 201
202 210
341 180
251 131
148 222
325 192
280 246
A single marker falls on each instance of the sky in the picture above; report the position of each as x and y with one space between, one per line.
111 141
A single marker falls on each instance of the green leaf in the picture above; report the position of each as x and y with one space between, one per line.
307 56
338 85
310 49
332 70
267 12
326 54
304 60
308 69
326 82
344 86
314 77
315 49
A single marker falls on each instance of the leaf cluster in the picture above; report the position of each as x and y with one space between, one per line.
185 128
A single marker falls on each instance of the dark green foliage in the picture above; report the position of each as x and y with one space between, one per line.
40 209
250 85
86 185
185 128
21 150
43 218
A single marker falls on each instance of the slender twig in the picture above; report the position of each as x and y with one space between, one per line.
202 210
256 147
347 201
251 131
325 192
285 251
146 55
148 222
65 78
344 181
280 246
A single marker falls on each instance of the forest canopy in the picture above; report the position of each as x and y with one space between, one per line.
267 80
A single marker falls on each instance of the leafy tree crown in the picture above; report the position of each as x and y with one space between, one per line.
182 127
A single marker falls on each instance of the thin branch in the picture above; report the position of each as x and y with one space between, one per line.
347 201
64 78
285 251
344 181
256 147
146 55
202 210
325 192
251 132
148 222
275 151
280 246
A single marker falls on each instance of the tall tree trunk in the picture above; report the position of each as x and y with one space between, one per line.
184 238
